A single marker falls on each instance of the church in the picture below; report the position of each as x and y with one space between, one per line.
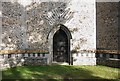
76 32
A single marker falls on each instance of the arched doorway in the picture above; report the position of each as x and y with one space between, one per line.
61 47
59 44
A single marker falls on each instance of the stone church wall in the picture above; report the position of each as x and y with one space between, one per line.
108 33
27 27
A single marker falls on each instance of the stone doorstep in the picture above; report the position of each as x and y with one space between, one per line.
59 63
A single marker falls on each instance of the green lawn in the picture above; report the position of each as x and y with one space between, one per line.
61 72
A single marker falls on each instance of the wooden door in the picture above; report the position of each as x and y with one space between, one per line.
60 47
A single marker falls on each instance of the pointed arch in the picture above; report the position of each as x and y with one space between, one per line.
66 30
50 39
60 26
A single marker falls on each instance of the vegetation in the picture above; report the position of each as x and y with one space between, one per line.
61 73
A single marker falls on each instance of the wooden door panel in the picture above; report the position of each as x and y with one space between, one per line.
60 47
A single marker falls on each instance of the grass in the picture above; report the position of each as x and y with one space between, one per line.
61 72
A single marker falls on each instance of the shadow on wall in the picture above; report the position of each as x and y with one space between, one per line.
107 26
28 27
108 33
119 27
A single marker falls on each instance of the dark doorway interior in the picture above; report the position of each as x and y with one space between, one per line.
61 47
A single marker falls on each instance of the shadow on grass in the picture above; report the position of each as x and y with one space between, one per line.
50 73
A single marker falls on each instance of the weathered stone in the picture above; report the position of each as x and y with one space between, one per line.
107 25
33 26
19 60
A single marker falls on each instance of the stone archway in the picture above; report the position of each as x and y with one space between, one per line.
60 47
63 32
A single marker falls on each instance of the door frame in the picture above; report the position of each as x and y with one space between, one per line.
50 41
